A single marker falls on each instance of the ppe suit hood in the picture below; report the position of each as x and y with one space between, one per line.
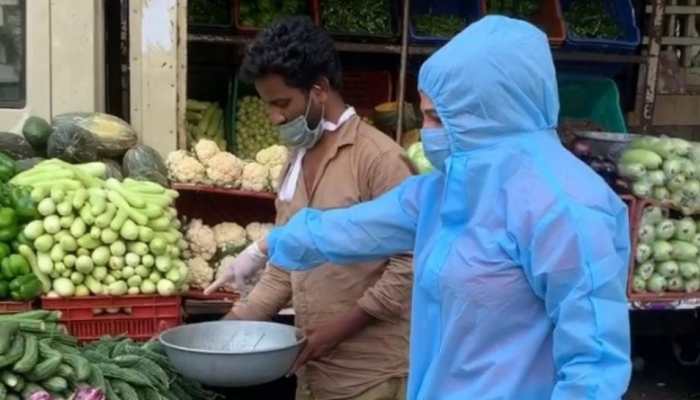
495 79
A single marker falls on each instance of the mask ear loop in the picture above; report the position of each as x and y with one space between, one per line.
308 108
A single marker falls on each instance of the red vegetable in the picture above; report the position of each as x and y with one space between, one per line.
88 393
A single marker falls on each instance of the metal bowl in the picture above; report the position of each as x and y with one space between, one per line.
232 353
605 144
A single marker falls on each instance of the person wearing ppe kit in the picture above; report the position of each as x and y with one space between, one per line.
521 250
356 319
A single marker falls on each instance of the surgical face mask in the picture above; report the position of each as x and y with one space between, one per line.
297 134
436 145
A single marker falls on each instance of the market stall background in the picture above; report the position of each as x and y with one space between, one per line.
616 60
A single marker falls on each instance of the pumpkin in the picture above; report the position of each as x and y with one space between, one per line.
142 162
15 146
114 135
72 144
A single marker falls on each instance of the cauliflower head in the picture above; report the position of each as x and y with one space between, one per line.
200 273
200 239
276 177
254 177
224 169
205 149
257 230
230 234
184 168
273 155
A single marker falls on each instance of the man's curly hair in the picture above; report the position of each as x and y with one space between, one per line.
296 49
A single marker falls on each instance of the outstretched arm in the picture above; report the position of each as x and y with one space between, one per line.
376 229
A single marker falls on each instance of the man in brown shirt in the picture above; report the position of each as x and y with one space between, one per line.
355 319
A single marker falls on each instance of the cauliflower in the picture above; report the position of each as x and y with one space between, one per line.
201 274
205 149
184 168
254 177
230 235
224 169
256 230
276 177
200 239
273 155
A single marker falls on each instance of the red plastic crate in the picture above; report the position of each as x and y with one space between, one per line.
311 9
650 297
549 18
14 307
149 315
366 89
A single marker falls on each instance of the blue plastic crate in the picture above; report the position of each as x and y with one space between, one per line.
469 10
623 13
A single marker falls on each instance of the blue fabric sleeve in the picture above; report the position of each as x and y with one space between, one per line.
376 229
581 275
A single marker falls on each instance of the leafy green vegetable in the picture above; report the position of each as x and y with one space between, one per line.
590 19
444 26
261 13
370 17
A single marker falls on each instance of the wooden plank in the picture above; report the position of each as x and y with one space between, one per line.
652 70
677 110
402 69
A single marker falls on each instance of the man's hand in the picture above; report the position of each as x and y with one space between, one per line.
243 266
322 339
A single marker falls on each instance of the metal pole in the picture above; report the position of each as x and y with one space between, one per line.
402 68
652 65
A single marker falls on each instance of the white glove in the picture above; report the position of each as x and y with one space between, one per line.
247 263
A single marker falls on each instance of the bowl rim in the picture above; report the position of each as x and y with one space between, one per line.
300 341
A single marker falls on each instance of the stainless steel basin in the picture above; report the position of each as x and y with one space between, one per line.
232 353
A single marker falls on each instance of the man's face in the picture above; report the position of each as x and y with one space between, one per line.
285 103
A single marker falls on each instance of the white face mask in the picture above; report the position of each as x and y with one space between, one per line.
297 134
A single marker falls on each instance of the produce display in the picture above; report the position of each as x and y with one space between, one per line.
436 25
101 236
524 9
666 169
210 249
261 13
85 137
40 361
667 253
207 164
416 154
209 12
369 17
205 120
254 130
590 19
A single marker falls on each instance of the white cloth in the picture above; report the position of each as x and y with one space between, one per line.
289 184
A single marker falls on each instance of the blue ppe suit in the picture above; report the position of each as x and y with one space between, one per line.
520 250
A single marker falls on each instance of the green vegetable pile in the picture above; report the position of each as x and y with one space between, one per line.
101 236
205 120
17 280
209 12
369 17
666 169
589 19
667 254
254 130
438 25
37 355
417 155
261 13
523 9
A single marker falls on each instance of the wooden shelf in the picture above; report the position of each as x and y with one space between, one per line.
224 191
356 47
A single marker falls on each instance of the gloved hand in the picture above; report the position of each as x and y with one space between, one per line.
245 265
